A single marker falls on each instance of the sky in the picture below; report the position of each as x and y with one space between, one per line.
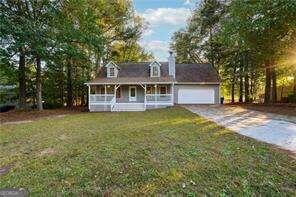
163 17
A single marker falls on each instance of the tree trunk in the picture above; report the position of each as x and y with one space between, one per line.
282 91
82 98
22 79
69 86
241 89
267 82
211 48
38 84
247 80
274 90
232 92
247 88
294 88
251 87
233 84
61 86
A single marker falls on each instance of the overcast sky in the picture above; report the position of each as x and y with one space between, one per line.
164 18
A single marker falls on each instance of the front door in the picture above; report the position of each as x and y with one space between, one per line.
132 93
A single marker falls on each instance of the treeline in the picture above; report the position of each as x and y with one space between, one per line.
251 43
50 48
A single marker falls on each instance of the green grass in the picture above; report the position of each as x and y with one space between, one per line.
166 151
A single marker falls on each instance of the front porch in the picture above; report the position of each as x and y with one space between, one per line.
129 97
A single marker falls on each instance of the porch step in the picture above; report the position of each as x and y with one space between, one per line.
129 107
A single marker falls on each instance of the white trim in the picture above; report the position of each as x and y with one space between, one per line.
152 104
138 83
120 90
88 97
131 99
129 83
198 83
155 61
113 64
173 92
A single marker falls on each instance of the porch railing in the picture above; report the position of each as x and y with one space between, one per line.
100 98
159 98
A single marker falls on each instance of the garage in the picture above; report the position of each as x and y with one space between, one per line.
196 95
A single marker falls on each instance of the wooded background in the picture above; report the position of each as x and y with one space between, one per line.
50 48
251 43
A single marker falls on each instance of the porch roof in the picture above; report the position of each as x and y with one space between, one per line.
133 80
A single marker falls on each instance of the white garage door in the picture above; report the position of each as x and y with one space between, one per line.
196 95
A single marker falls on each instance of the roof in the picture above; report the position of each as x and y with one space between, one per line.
139 73
202 73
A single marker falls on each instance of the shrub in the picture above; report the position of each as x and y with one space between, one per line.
291 98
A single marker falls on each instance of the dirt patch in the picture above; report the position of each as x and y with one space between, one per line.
47 151
15 116
17 122
278 108
63 137
4 170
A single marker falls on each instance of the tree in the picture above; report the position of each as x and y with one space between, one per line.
243 40
65 40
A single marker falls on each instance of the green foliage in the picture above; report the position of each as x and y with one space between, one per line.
70 37
129 52
291 98
240 39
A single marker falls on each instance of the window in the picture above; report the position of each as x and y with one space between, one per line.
163 90
133 92
155 71
149 90
111 72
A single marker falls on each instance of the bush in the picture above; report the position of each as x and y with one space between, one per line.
6 108
291 98
52 105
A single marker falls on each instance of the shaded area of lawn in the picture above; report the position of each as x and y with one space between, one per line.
288 109
165 151
29 115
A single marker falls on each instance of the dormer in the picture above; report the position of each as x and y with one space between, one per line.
155 69
112 69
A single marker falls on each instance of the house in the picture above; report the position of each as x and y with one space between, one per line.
146 85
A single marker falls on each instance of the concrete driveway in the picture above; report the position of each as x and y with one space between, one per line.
271 128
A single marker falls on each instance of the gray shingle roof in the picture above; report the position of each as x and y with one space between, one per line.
139 72
196 73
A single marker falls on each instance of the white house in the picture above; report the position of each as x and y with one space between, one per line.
145 85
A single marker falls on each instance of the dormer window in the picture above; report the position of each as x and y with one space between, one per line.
112 69
155 69
111 72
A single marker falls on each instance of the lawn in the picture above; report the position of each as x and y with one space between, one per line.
164 151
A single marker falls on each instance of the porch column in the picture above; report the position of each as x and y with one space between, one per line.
145 100
155 92
105 93
115 92
172 93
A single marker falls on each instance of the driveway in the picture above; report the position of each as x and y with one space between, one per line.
271 128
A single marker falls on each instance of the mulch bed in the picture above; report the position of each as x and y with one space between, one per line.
288 109
17 115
